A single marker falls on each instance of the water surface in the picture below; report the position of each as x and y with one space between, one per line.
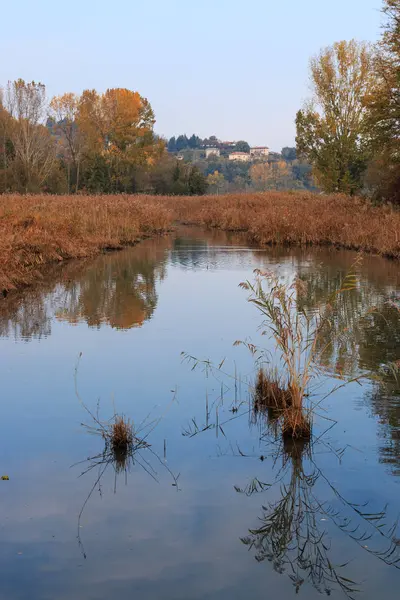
223 531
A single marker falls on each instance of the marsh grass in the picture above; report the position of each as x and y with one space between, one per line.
38 230
286 385
125 446
297 219
270 391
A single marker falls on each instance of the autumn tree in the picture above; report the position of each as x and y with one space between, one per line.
383 109
33 147
216 181
63 110
272 175
4 144
119 125
331 127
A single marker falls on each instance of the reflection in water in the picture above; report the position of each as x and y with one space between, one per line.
293 534
147 537
125 445
364 331
385 401
118 290
363 335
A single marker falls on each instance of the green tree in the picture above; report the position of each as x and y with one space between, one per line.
331 128
197 183
289 154
172 145
242 146
194 142
181 143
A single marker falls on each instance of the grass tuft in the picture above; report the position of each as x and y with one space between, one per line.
270 392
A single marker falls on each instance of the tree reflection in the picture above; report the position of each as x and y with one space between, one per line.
364 326
293 531
117 289
385 401
363 336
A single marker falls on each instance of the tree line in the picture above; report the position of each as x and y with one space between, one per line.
97 143
194 142
350 129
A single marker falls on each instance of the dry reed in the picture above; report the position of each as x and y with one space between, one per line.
298 218
270 392
38 230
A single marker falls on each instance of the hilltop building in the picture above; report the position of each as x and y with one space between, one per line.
259 152
240 156
212 152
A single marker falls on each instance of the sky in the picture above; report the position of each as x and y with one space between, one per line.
237 69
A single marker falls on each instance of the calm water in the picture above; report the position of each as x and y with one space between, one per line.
248 518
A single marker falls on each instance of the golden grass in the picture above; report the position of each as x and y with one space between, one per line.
38 230
270 392
121 434
298 218
296 424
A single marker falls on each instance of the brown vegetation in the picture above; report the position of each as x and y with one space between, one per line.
298 218
38 230
270 392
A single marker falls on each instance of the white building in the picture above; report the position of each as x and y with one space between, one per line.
259 152
242 156
212 151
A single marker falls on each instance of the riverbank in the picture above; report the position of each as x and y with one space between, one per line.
36 231
297 218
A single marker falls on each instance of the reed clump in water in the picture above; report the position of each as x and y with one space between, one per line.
274 398
120 433
270 391
297 336
296 424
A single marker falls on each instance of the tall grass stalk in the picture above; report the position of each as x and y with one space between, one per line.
297 338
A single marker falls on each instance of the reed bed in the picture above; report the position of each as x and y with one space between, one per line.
38 230
298 218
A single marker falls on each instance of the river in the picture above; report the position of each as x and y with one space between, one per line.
216 507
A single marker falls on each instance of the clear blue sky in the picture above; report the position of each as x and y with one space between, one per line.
234 68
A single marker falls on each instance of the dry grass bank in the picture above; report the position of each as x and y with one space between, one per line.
38 230
298 219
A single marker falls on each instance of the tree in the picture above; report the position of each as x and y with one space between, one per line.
330 128
383 109
242 146
194 142
119 126
33 147
216 181
289 154
197 183
5 144
172 145
63 110
270 175
181 143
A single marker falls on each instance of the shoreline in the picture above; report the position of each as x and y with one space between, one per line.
39 231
